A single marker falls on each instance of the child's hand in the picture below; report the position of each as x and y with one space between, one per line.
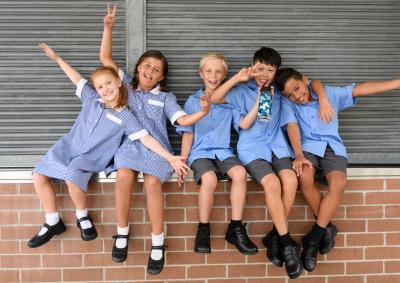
244 74
298 163
109 19
325 111
205 103
180 167
48 51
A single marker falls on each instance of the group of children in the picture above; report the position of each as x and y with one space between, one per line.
122 127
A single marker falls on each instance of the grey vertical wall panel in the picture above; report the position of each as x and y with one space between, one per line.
37 101
338 42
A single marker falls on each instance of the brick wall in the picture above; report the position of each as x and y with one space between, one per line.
367 250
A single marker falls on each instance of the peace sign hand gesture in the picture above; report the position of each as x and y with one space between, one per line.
109 19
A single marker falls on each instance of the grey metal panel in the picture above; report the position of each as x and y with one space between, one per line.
37 101
338 42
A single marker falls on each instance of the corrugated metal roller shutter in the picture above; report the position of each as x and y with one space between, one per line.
37 101
339 42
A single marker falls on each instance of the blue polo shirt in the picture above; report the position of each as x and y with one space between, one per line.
212 133
316 135
262 138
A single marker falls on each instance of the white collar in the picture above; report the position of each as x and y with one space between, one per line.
155 90
119 109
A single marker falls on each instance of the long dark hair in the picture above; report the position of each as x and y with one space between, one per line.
151 54
123 92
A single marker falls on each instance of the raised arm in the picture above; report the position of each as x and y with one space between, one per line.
325 111
250 117
71 73
191 119
106 41
371 88
293 132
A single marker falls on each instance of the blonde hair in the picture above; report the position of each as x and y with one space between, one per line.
214 55
123 92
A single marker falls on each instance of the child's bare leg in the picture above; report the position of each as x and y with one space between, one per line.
272 189
310 191
155 203
333 197
238 191
77 195
206 195
123 195
45 191
289 186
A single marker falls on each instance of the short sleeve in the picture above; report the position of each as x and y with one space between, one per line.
85 92
172 109
288 114
189 108
341 97
237 116
126 80
133 129
235 98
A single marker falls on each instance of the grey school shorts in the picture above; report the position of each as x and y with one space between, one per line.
330 162
260 168
203 165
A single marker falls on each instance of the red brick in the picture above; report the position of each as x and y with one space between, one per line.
52 247
18 202
351 225
226 257
255 199
100 259
9 276
346 254
253 213
31 217
364 267
41 275
365 239
217 214
383 278
297 213
172 187
393 184
203 271
362 185
124 273
382 198
9 247
95 188
169 272
328 268
260 257
247 270
180 200
392 239
253 186
174 258
382 253
384 225
227 281
8 217
352 198
20 261
8 189
346 279
79 246
176 244
181 229
62 260
82 274
18 232
136 259
65 202
392 211
135 215
392 266
27 189
310 280
266 280
172 215
100 201
364 211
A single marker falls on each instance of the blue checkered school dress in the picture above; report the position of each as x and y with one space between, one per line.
92 141
151 108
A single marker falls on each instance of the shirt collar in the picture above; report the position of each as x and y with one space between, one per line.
155 90
119 109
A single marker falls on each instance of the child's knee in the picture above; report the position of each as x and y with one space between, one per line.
237 174
209 180
39 179
289 180
337 185
271 185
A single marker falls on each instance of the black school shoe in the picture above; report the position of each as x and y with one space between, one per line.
119 254
89 233
56 229
274 251
309 254
293 264
156 266
328 239
238 237
202 242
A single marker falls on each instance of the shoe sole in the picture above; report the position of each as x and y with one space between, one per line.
325 251
202 251
241 251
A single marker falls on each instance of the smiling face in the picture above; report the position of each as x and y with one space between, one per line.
150 73
212 73
265 73
108 87
297 91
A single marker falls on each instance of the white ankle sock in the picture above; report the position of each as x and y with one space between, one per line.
51 219
121 242
157 240
83 213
